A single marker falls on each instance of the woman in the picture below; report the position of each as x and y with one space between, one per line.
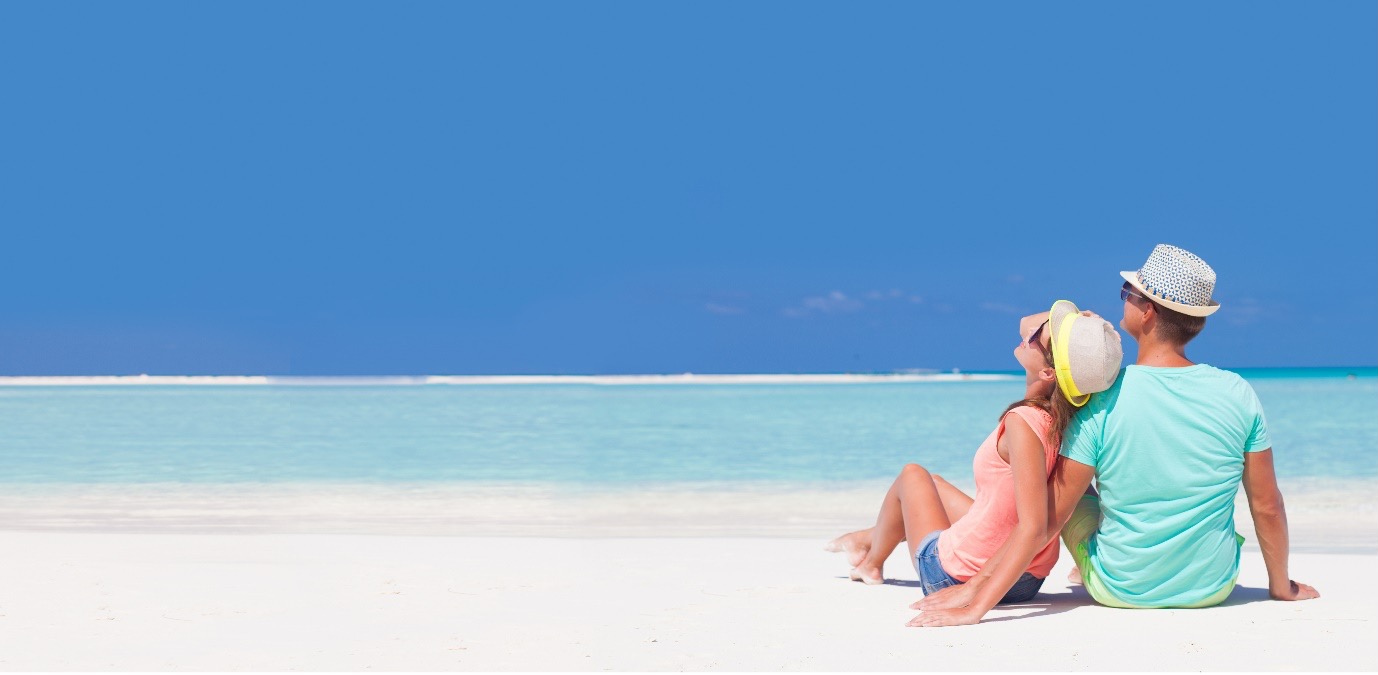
1001 534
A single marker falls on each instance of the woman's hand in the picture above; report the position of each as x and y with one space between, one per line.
946 617
952 597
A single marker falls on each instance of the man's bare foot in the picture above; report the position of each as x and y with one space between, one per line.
1074 577
855 544
868 574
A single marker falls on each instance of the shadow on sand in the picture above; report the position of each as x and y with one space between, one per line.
904 583
1244 595
1048 604
1076 596
1057 603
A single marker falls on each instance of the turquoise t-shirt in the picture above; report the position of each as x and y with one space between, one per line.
1168 447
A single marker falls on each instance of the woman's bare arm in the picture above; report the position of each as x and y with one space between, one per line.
1027 460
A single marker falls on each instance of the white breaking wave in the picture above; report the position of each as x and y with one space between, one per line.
87 380
692 378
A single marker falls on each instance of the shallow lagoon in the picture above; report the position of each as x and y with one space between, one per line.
1323 427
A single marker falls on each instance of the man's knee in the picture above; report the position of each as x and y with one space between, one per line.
1083 524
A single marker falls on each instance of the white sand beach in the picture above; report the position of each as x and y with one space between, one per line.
248 593
367 602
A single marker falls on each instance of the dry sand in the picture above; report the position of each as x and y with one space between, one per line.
132 601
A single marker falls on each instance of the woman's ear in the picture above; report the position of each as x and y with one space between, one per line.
1047 375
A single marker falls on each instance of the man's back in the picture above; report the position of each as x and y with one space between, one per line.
1168 448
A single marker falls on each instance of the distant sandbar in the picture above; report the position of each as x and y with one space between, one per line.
682 378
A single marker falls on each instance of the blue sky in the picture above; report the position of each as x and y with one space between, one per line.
529 187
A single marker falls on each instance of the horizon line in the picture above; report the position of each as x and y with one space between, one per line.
909 375
403 380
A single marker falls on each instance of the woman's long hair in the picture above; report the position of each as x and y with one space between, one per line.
1055 404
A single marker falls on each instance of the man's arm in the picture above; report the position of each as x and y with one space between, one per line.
1069 482
1270 525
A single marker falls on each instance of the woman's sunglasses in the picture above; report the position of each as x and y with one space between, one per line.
1036 343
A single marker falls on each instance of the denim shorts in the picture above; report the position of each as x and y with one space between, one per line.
933 578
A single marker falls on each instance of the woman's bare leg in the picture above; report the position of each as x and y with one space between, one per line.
955 502
857 544
912 508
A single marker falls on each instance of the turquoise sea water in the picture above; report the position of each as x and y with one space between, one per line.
1322 422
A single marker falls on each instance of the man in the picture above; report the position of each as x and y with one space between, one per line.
1169 444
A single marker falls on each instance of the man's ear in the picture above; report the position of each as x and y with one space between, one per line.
1150 317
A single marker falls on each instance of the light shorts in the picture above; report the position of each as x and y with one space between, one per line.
1076 536
933 578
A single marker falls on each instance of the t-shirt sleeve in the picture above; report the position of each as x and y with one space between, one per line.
1082 440
1258 433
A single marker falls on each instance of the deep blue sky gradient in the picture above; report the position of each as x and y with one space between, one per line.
618 187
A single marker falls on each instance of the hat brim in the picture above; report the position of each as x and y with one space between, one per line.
1060 310
1189 310
1059 315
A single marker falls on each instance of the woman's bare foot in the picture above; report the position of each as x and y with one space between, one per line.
856 544
1074 577
868 574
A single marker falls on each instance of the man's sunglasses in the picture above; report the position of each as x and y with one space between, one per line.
1127 292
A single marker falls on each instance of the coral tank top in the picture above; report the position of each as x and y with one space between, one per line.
966 546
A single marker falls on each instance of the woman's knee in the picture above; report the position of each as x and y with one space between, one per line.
915 471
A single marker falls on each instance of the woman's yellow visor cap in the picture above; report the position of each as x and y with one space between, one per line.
1086 352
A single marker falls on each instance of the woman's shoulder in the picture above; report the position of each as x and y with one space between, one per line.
1037 418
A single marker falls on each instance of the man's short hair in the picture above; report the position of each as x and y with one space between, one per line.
1176 327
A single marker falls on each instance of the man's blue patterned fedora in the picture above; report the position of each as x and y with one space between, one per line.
1177 279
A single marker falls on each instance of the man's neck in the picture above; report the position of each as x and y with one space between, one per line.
1159 354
